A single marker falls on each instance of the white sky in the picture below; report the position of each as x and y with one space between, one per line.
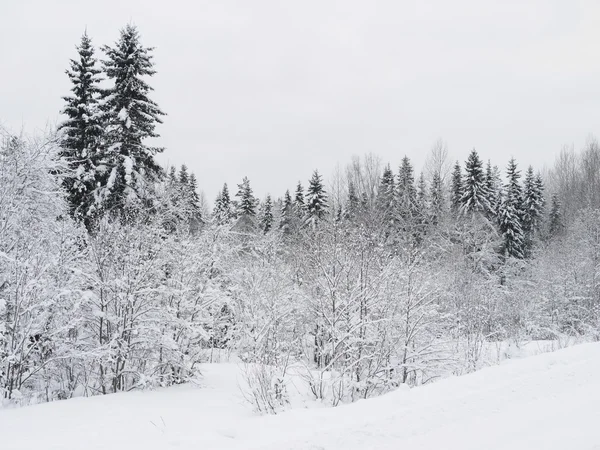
273 89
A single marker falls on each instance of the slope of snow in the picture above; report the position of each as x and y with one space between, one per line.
550 401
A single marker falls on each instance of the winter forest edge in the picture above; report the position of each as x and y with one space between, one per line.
116 275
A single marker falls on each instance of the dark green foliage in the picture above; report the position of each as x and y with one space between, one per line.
82 132
316 200
474 197
456 189
131 118
511 213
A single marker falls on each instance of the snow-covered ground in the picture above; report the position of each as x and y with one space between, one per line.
549 401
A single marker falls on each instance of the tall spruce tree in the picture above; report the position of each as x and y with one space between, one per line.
511 214
246 204
299 201
555 226
131 118
353 203
406 194
222 212
474 198
456 189
266 219
316 200
386 196
82 132
287 213
436 195
533 207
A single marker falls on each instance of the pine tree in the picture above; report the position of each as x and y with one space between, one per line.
246 205
316 200
131 118
457 189
386 196
556 225
82 132
474 198
266 220
511 213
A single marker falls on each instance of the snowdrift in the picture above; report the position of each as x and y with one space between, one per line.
549 401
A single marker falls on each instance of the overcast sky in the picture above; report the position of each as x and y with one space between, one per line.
274 89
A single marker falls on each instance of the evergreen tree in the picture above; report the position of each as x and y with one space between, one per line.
511 213
82 132
287 212
246 205
172 175
556 221
316 199
131 118
474 198
266 220
299 202
386 196
493 188
422 194
406 193
353 203
222 212
183 175
437 199
194 198
533 199
457 189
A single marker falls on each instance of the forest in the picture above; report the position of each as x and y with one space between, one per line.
117 274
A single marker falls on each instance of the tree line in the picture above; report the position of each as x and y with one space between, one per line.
115 274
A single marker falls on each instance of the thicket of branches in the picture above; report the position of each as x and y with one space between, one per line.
115 276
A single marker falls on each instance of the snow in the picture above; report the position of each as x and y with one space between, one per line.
549 401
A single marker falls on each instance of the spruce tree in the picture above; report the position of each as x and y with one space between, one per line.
194 198
474 198
222 212
406 193
386 196
532 207
456 189
183 175
172 175
299 202
556 222
82 132
511 213
266 220
316 200
353 203
246 204
287 213
131 118
493 187
437 199
422 194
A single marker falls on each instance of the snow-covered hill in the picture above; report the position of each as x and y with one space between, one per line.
550 401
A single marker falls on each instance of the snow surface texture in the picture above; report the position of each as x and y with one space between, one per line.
549 401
